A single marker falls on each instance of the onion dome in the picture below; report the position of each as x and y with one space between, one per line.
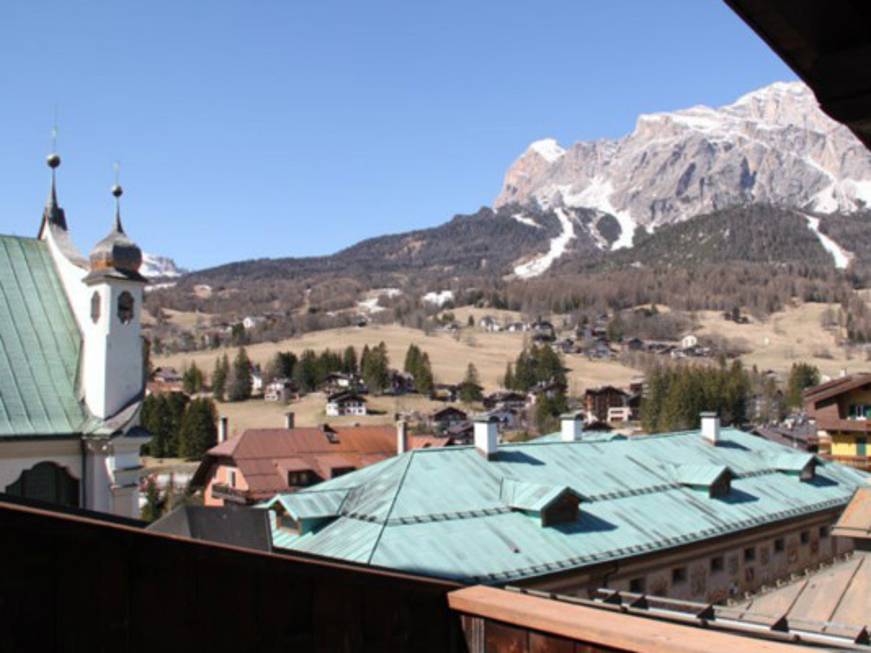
116 252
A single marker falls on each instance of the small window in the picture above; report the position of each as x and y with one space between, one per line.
717 564
824 532
231 478
637 586
805 537
778 545
125 307
299 479
95 307
750 554
678 575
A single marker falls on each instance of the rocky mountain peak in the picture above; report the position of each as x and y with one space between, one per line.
773 146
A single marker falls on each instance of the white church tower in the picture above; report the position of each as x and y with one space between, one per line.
112 374
95 366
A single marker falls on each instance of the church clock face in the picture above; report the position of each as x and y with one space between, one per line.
95 307
125 307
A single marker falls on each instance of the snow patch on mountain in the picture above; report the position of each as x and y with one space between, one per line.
439 298
772 146
159 267
597 196
558 245
548 149
842 256
525 219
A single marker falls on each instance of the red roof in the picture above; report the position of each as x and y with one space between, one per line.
265 456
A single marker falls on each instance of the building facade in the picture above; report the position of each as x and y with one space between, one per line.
73 379
842 411
700 515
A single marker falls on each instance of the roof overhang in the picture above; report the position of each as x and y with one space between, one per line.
827 44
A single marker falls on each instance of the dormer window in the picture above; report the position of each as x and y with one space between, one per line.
95 307
714 480
125 307
551 504
803 465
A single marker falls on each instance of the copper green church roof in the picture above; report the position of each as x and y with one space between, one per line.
40 346
453 513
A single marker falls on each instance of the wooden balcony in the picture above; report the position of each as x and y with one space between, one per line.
859 462
231 494
840 424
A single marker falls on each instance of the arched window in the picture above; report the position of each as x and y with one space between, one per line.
95 307
125 307
46 481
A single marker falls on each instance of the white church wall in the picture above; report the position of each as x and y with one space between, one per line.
112 363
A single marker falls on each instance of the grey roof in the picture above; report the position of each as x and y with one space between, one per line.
237 526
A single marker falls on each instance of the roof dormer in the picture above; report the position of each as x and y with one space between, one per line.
802 465
552 504
714 480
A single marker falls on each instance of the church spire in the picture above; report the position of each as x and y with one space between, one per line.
53 213
116 253
117 192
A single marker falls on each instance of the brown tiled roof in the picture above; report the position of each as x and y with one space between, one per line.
835 387
264 456
855 521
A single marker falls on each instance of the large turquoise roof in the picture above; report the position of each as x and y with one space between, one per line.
40 346
443 511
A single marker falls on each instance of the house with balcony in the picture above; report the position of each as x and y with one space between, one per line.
842 411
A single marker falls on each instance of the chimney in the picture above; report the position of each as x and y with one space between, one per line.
487 436
289 420
572 426
401 436
222 429
711 427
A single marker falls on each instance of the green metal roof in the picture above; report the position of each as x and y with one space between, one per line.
40 345
441 511
698 475
792 461
311 505
532 497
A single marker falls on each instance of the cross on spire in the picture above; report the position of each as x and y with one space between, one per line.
117 192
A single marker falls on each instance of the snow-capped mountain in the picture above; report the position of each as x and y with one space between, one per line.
772 146
159 267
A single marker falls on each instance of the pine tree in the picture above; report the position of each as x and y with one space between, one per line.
199 431
305 372
412 359
349 360
192 379
470 388
219 378
508 379
801 376
376 370
239 380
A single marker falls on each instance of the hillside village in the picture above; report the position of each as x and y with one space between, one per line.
627 408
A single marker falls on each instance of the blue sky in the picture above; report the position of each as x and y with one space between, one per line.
291 128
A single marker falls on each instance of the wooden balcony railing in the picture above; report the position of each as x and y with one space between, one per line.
848 425
859 462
